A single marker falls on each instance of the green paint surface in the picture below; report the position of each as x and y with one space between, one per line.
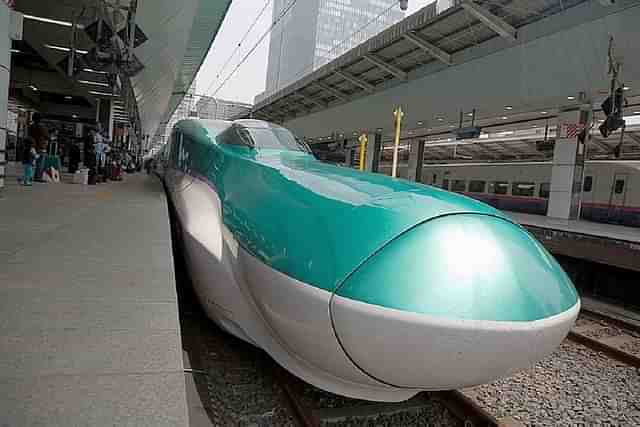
318 223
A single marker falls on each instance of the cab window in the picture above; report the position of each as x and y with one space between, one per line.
523 189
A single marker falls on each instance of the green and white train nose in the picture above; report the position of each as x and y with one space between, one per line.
456 301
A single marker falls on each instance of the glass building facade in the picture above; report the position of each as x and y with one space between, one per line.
314 32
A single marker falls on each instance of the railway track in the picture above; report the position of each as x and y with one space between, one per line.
466 412
613 336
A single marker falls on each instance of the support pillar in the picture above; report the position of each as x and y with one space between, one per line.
373 152
568 165
416 160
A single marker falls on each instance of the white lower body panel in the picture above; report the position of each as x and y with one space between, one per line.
373 353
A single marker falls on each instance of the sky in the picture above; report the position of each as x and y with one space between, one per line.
249 79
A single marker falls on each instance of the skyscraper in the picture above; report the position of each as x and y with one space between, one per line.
311 33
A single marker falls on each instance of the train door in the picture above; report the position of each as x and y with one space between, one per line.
618 196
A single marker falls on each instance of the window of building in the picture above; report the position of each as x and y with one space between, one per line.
523 189
619 186
459 185
588 184
544 190
477 186
499 187
445 184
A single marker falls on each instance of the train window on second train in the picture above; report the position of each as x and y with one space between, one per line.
445 184
588 184
477 186
619 186
523 189
544 190
499 187
458 185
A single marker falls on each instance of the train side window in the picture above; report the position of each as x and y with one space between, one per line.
588 184
499 187
523 189
619 186
544 190
458 185
445 184
477 186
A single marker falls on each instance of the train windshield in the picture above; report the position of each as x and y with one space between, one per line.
274 138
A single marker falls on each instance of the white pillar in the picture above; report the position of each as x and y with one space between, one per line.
568 165
111 108
416 159
5 45
443 5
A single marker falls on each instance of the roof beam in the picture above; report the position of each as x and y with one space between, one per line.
307 98
392 69
635 138
431 49
333 91
355 80
600 143
492 21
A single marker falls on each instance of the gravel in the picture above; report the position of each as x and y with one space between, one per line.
575 386
632 346
603 332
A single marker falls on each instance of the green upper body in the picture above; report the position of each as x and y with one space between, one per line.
369 237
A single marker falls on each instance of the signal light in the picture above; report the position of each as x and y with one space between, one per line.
612 108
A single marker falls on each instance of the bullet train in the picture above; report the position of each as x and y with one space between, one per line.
610 188
360 284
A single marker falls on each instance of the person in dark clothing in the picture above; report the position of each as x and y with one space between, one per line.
39 134
28 160
74 158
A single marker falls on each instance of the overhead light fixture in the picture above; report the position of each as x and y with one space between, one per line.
440 119
508 107
470 114
571 97
91 70
75 116
636 112
88 82
504 117
420 123
65 49
379 130
625 88
543 112
48 20
410 132
33 87
451 126
15 51
93 92
68 97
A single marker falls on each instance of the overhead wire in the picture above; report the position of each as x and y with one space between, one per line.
242 40
275 22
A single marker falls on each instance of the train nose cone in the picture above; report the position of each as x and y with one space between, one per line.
456 301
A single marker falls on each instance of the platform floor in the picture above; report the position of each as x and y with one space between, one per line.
89 332
609 231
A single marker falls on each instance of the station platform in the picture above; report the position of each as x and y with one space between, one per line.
608 244
89 333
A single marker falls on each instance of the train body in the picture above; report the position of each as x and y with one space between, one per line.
363 285
610 188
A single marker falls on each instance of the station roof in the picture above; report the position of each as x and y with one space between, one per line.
178 34
421 39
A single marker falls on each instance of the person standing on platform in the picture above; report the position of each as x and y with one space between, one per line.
40 137
74 157
28 160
